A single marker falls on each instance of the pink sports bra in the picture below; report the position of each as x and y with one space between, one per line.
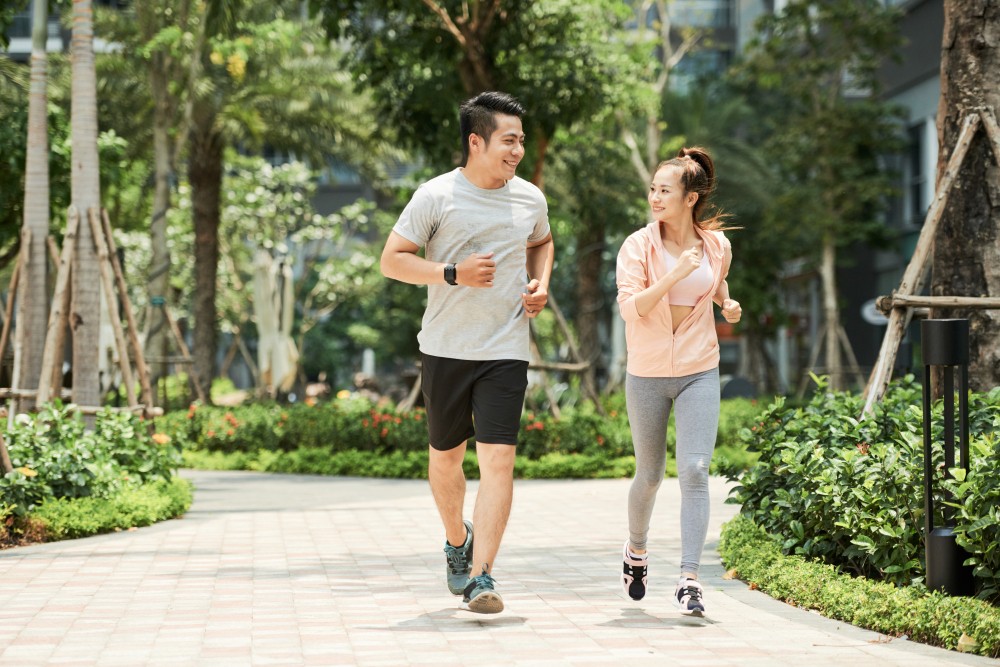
692 287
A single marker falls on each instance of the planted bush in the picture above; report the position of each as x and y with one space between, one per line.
239 438
850 491
54 456
931 618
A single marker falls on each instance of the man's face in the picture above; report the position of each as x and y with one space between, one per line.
498 158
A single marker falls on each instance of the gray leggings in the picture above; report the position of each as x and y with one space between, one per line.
649 400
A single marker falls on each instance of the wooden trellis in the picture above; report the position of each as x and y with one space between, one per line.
904 302
112 276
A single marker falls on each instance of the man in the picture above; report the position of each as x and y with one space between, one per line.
488 258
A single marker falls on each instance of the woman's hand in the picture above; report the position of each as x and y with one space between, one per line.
731 310
687 263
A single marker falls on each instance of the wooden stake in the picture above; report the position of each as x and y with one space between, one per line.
4 455
992 130
58 312
133 329
184 352
887 303
104 263
19 334
913 277
50 242
537 354
8 313
60 342
574 352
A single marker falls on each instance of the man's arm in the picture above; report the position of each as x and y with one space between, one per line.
401 262
540 256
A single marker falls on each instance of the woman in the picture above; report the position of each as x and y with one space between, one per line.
669 274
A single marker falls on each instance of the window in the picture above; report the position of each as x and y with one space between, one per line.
915 177
702 13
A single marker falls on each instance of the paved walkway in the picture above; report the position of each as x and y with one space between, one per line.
296 570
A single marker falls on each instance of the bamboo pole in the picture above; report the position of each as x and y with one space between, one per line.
58 312
913 277
133 329
104 264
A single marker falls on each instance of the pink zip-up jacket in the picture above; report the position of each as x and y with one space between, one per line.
654 348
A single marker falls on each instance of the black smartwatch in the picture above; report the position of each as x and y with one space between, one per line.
450 275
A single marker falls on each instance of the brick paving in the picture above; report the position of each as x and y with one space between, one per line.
298 570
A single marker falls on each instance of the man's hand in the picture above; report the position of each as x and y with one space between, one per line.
476 270
732 311
534 298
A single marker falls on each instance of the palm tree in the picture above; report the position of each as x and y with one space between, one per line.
272 84
33 295
85 315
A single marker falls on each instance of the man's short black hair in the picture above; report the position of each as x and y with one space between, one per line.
477 115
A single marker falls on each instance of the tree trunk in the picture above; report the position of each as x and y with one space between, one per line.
33 295
158 336
590 273
966 259
831 315
205 175
162 69
86 194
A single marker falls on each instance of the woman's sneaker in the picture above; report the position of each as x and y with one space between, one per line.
459 562
481 596
634 574
689 596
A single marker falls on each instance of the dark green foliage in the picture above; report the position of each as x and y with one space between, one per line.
850 492
977 495
930 618
558 57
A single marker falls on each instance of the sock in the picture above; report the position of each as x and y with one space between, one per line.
636 556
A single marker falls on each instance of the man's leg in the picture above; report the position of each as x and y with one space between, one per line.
493 501
444 471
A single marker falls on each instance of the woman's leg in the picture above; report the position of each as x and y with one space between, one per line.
697 420
648 404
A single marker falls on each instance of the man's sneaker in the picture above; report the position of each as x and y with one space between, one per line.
480 595
689 597
634 574
459 562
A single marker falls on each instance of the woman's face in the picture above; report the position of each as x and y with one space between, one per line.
667 198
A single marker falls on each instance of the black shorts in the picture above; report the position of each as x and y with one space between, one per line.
464 398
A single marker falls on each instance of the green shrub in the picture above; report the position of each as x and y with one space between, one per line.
354 424
931 618
976 496
54 456
850 491
129 507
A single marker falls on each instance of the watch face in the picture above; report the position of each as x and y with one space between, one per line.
449 274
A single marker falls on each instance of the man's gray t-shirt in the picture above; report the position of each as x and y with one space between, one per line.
452 218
